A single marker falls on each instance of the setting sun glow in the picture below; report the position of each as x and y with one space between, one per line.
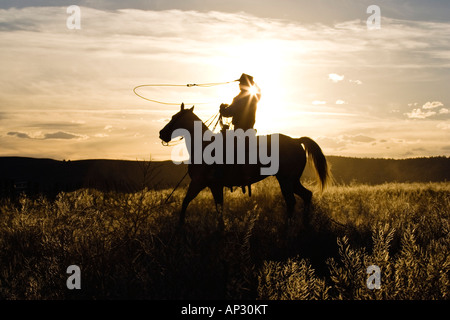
253 90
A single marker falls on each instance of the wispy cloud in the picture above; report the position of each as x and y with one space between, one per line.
358 82
429 109
19 135
419 114
358 138
334 77
61 135
432 105
47 136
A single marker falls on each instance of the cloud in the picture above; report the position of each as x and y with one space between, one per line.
340 101
419 114
335 77
301 10
432 105
358 138
47 136
19 135
101 135
318 102
426 110
358 82
343 141
60 135
55 125
331 143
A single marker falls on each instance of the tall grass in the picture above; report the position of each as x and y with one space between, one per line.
129 246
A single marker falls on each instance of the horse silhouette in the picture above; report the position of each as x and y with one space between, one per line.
292 160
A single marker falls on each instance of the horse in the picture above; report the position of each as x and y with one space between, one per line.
292 155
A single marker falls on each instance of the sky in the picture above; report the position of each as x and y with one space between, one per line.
324 72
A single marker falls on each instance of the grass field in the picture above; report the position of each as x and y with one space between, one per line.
129 246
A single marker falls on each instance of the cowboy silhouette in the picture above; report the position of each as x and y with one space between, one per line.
243 107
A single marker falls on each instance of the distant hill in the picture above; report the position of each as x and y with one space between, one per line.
49 176
375 171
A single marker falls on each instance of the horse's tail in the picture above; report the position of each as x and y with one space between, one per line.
317 157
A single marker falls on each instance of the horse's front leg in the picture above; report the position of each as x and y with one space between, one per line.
193 190
217 191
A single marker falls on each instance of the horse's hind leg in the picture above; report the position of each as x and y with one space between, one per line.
306 195
287 189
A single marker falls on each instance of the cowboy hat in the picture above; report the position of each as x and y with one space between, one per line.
246 79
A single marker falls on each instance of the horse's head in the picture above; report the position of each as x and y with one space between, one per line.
183 119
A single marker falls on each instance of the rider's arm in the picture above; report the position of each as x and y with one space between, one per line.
225 111
230 110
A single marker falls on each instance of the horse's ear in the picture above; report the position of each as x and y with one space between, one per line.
191 109
182 106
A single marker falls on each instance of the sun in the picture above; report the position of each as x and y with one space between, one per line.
265 61
272 112
253 90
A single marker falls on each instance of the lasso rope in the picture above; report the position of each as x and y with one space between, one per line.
189 85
